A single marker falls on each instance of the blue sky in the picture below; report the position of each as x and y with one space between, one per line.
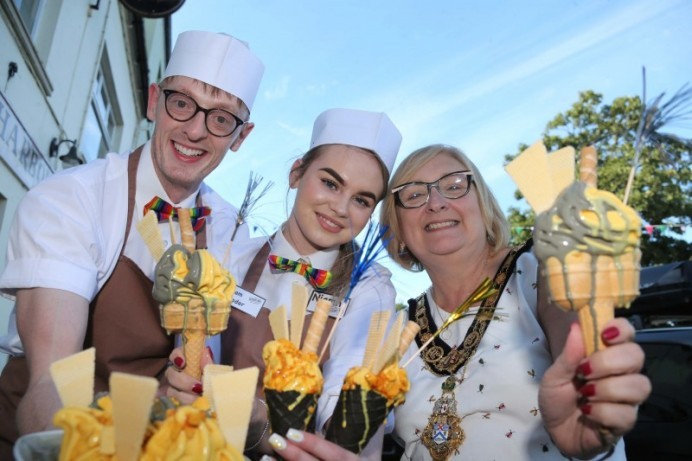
484 76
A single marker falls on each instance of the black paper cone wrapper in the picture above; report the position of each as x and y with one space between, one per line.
357 416
290 409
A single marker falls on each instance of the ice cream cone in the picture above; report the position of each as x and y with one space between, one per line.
593 286
290 409
357 416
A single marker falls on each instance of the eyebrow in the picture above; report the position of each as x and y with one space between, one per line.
341 181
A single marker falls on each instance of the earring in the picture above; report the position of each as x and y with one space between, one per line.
402 248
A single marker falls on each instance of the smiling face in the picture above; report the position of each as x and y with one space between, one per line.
442 226
184 153
336 194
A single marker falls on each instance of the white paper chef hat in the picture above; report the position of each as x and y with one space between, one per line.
218 59
360 128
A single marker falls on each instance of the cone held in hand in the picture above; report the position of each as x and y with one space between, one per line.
290 409
357 416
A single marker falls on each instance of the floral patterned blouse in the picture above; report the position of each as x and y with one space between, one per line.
496 392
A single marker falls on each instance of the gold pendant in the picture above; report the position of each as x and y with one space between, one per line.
443 434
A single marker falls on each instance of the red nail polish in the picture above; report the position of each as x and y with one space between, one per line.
197 388
610 333
211 353
586 409
588 390
179 362
584 369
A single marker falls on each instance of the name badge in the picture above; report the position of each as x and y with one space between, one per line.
333 311
247 302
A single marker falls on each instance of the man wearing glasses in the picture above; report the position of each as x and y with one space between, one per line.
80 271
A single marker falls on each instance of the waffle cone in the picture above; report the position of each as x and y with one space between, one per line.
217 319
194 343
593 286
290 409
357 416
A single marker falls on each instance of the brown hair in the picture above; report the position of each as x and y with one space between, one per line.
496 226
215 92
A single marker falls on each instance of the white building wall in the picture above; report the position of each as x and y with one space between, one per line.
69 43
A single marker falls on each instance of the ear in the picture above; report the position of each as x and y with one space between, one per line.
154 93
245 131
294 175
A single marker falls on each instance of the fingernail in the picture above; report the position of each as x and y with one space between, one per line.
610 333
267 458
179 362
295 435
211 353
584 369
197 388
586 408
588 390
277 442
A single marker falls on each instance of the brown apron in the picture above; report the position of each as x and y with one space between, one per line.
138 347
243 340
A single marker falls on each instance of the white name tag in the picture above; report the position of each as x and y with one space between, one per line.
247 302
333 311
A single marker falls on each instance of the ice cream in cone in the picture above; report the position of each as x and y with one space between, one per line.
195 293
292 378
588 244
364 403
173 432
371 391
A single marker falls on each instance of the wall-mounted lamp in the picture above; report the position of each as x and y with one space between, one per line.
71 158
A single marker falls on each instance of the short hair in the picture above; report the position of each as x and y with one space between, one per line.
496 225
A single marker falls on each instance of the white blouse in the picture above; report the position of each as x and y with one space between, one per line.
497 400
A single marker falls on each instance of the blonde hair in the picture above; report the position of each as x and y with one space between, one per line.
496 225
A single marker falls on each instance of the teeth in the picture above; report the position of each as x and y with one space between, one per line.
186 151
440 225
329 222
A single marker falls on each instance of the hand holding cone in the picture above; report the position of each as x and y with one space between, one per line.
588 246
194 290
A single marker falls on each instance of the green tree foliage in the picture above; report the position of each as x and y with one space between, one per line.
662 182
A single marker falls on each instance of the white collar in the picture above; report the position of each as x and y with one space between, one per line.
149 186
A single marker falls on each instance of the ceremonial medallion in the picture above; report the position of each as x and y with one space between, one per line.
443 434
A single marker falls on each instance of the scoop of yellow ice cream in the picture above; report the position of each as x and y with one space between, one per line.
290 369
392 382
589 220
181 275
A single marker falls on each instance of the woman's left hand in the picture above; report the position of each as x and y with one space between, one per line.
179 385
587 404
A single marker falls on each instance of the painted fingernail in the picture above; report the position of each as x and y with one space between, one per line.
588 390
584 369
295 435
586 408
610 333
179 362
197 388
211 353
277 442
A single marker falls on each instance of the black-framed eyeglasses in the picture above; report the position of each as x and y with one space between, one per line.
182 108
416 194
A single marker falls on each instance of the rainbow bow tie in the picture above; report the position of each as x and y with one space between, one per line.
318 278
165 211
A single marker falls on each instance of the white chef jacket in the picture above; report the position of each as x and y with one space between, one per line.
374 292
69 229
